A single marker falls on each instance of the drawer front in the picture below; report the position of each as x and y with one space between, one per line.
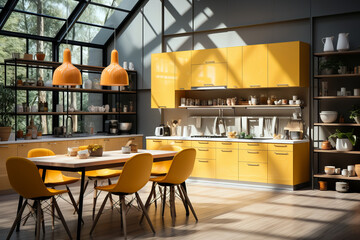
24 148
253 146
253 172
206 144
205 153
6 151
204 168
257 156
113 144
280 169
154 144
180 143
59 147
280 147
227 164
227 145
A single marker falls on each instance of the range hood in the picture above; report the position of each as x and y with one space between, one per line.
209 88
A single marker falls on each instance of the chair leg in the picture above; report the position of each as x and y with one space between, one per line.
121 221
77 203
38 219
62 218
172 204
123 206
17 219
147 204
99 213
94 199
144 211
163 203
72 199
52 214
188 202
183 200
110 198
30 213
43 221
155 197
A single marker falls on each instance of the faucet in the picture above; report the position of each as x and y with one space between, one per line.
69 131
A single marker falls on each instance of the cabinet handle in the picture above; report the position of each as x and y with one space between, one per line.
162 106
253 144
251 152
106 140
179 142
257 85
280 145
181 88
131 138
253 165
203 161
278 153
207 62
157 141
203 142
4 146
226 143
226 150
203 150
208 84
283 85
52 143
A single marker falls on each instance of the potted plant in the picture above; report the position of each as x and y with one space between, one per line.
355 114
329 66
345 141
6 107
95 150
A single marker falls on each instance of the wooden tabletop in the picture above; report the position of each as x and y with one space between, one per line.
109 157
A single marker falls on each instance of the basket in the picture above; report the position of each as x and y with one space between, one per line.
97 153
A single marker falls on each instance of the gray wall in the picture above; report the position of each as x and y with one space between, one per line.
238 22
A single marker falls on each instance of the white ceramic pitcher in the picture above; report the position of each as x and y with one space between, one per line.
328 44
343 144
343 42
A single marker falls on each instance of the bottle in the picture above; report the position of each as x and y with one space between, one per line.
131 106
31 129
40 82
269 101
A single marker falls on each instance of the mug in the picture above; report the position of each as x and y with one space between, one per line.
125 65
107 108
344 172
298 102
291 102
131 66
351 170
357 92
294 97
337 171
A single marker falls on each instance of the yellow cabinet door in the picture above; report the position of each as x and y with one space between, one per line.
155 144
288 64
113 144
227 164
58 147
253 156
208 75
231 145
253 146
207 144
235 67
24 148
6 151
75 143
255 66
280 167
204 168
280 147
162 80
182 70
180 143
253 172
205 153
206 56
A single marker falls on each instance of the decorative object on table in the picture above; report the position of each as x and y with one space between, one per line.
7 106
357 170
342 69
351 170
83 154
19 108
134 148
231 134
330 170
131 106
298 102
322 185
326 145
95 150
40 56
356 91
296 129
28 56
355 114
342 187
125 65
343 42
107 108
345 141
328 116
328 44
126 149
73 151
32 129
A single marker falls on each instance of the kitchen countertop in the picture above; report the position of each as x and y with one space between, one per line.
230 139
58 139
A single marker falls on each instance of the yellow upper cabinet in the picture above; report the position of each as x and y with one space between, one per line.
288 64
207 75
206 56
235 67
255 66
162 80
182 70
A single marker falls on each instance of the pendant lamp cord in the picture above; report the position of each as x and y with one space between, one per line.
114 37
67 22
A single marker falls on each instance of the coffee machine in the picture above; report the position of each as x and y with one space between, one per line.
111 126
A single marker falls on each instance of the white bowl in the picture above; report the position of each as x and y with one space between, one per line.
328 116
330 170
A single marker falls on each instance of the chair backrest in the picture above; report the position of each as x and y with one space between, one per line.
181 166
51 175
135 174
25 179
170 148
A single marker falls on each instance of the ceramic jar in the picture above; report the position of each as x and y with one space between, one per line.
343 144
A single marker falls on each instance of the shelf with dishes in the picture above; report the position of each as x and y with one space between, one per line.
42 88
76 113
348 75
336 177
284 106
334 53
336 152
337 124
336 97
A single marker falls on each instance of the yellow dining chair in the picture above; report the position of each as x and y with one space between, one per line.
24 178
135 175
54 178
180 169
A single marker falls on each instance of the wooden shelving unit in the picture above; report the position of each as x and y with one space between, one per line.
337 177
336 152
338 76
76 113
324 54
244 106
337 124
59 89
336 97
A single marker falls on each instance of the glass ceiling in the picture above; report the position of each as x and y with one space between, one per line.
95 24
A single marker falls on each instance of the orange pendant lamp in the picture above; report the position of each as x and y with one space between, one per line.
114 74
67 74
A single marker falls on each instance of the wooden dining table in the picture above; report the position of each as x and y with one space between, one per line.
110 159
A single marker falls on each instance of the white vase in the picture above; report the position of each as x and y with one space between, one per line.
88 84
343 144
343 42
357 119
328 44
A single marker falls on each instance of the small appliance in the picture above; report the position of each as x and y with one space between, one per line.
111 126
162 130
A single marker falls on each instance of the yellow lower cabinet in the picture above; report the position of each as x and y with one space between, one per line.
180 143
253 172
280 169
6 151
24 148
204 168
155 144
253 156
58 147
227 164
205 153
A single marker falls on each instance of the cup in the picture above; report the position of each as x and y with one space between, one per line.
113 109
322 185
291 102
107 108
337 171
125 65
351 170
344 172
357 92
295 115
284 101
343 91
126 149
19 108
294 97
298 102
131 66
183 102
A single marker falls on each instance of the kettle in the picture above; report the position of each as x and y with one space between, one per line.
343 42
328 44
159 131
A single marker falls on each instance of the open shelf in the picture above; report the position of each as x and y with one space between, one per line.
338 76
75 113
338 124
336 97
334 151
42 88
351 52
336 177
244 106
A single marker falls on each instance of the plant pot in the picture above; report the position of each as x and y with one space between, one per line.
327 71
343 144
40 56
357 170
5 133
97 153
357 119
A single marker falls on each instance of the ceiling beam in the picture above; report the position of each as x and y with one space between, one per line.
6 12
74 16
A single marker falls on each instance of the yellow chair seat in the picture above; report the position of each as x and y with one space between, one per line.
64 180
103 173
56 191
160 168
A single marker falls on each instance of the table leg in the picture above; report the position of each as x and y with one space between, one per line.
186 205
81 198
18 210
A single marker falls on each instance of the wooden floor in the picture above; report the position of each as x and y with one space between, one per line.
224 211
